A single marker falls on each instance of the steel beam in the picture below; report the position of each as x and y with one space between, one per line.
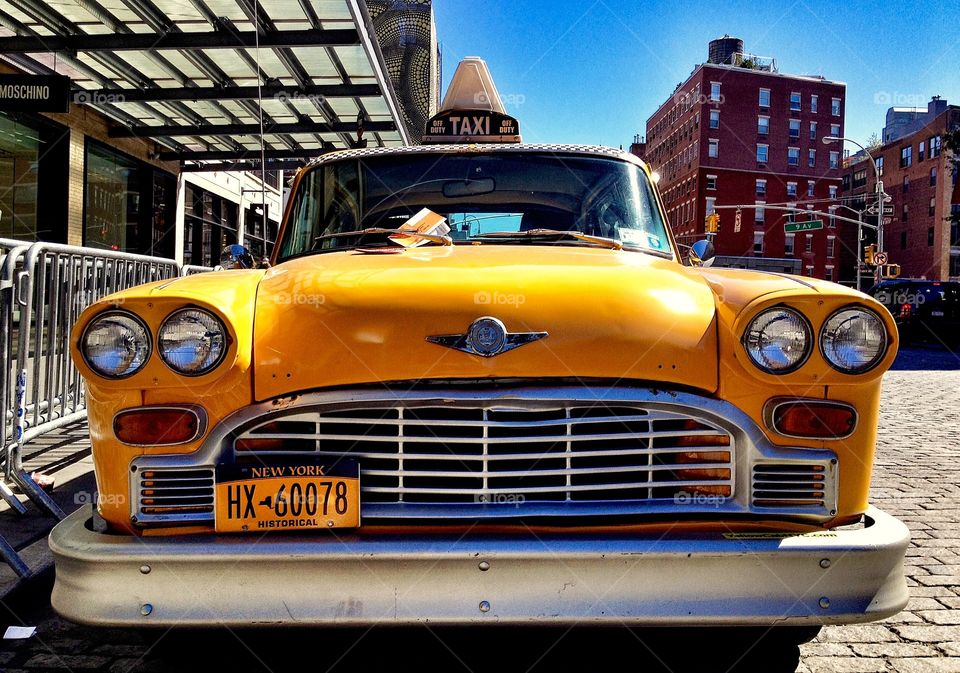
249 155
277 91
146 131
112 42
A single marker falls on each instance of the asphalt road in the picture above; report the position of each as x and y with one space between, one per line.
916 478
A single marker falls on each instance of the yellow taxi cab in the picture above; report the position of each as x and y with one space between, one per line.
479 385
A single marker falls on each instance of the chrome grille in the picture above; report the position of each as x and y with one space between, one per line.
174 494
450 454
790 485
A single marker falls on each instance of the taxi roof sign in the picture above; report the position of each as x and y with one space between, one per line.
472 111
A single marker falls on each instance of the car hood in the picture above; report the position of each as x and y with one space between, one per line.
356 318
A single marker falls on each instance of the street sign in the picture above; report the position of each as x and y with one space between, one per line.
736 222
880 258
809 225
888 220
873 210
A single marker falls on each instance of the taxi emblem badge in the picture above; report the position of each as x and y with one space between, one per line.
486 337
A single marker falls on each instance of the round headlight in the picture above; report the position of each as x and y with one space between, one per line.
115 344
192 341
853 340
778 340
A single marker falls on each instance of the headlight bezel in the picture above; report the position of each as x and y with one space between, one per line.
808 348
82 345
882 354
223 351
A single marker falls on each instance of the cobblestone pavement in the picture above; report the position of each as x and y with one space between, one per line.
917 479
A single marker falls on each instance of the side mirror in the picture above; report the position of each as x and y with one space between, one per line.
236 256
701 253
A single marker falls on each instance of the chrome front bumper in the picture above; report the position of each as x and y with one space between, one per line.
827 577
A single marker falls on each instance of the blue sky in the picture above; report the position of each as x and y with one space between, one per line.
592 71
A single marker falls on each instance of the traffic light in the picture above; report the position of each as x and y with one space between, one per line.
711 224
868 254
890 271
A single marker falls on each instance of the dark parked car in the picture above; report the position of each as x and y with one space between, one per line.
925 310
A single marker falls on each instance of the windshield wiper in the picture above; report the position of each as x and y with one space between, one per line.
553 233
442 240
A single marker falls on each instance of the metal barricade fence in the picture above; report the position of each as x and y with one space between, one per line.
43 289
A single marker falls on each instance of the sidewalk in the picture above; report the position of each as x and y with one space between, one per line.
64 455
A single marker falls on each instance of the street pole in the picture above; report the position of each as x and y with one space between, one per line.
859 249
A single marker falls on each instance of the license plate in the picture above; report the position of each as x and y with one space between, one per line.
265 498
936 314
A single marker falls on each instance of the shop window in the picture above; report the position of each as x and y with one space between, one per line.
210 223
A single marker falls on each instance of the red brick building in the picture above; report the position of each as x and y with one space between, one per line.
737 131
918 175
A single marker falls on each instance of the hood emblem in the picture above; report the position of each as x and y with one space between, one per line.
486 337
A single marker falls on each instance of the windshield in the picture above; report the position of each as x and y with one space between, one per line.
478 194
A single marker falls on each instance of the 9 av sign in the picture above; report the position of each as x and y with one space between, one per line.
34 93
809 225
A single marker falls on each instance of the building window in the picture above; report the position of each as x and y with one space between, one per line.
791 216
762 153
758 244
845 179
808 243
210 223
933 206
713 149
809 271
813 130
810 187
933 176
859 178
833 192
794 129
711 182
714 92
921 150
906 184
832 222
793 156
788 245
811 158
930 237
711 205
835 107
129 206
795 101
835 130
791 189
906 156
764 97
259 232
761 187
714 119
834 160
906 213
763 125
903 240
814 102
831 246
934 144
828 274
880 166
759 213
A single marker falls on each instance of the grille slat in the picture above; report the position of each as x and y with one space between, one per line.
172 495
457 455
787 484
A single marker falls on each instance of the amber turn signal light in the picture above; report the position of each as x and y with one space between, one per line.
158 426
814 418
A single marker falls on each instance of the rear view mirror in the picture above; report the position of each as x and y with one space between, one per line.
701 253
458 188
